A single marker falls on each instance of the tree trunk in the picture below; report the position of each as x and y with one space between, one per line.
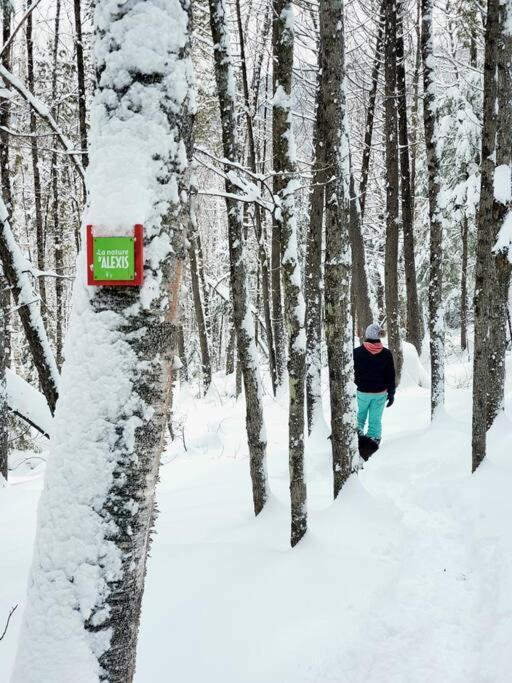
34 149
414 327
182 354
58 234
392 189
4 364
313 288
258 221
484 278
283 38
464 285
338 323
199 311
97 508
4 288
435 285
279 184
361 294
5 109
502 266
15 269
242 316
80 72
370 112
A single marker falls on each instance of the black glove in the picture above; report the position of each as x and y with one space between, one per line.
391 400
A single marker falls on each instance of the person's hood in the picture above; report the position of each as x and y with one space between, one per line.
373 347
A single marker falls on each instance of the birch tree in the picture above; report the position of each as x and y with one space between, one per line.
285 168
242 315
435 287
97 507
338 323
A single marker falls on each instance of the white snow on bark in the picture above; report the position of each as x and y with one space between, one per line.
502 184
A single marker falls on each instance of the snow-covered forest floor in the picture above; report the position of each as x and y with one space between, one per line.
407 578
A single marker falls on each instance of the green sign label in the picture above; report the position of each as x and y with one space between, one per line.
114 258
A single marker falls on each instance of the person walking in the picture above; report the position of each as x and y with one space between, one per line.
374 370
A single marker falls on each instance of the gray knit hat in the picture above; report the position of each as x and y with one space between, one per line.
373 331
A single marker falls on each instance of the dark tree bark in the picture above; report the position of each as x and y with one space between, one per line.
414 325
361 294
202 331
182 354
242 316
285 169
370 112
58 233
5 298
499 297
279 183
314 276
338 323
4 364
34 149
464 285
5 109
392 190
484 275
414 111
435 288
259 222
80 72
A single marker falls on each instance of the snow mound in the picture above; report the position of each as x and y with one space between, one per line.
413 372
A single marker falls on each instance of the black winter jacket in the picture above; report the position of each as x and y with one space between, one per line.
374 373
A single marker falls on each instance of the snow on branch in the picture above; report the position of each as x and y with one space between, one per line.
43 111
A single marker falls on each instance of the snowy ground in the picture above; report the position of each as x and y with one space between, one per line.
407 578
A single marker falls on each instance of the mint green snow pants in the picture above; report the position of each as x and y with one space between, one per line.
371 406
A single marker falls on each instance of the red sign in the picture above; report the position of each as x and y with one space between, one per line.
115 261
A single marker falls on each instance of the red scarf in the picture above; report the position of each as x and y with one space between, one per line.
373 348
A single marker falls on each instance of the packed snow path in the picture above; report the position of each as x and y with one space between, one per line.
407 578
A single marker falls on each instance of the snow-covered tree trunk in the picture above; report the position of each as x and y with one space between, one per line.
314 276
16 270
338 321
414 322
97 507
392 190
285 168
242 316
484 271
435 286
